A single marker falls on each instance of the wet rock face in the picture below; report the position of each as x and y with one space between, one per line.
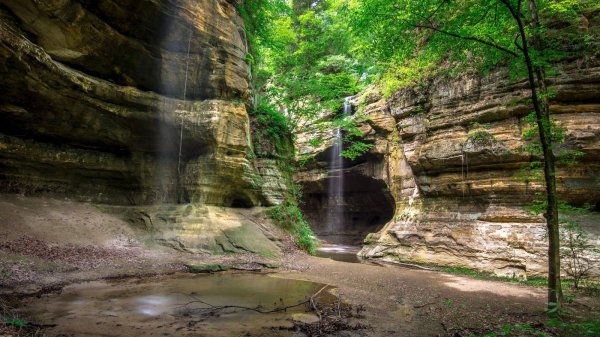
456 169
365 206
143 43
93 105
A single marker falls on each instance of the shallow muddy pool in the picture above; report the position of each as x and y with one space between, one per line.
177 305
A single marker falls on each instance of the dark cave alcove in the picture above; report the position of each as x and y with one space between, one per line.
365 207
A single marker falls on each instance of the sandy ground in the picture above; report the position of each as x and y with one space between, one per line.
408 302
47 244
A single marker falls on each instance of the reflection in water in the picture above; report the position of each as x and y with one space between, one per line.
154 305
166 305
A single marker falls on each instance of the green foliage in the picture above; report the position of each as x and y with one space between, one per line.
16 322
288 214
270 131
395 33
578 255
356 149
554 327
289 217
412 73
565 156
577 251
576 329
518 330
413 41
481 138
539 206
304 63
311 67
258 16
315 142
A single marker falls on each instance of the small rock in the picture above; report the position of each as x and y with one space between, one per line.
305 318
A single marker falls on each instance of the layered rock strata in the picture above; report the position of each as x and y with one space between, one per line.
128 103
451 156
459 174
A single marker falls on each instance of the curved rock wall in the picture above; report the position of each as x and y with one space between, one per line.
367 203
93 105
140 105
455 169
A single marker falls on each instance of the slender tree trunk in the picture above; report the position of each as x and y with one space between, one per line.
536 77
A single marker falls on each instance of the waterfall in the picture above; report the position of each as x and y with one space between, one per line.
187 65
335 191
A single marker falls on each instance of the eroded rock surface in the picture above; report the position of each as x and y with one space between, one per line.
366 203
451 157
128 103
456 168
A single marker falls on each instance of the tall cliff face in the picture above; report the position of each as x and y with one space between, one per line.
93 104
458 178
450 155
133 103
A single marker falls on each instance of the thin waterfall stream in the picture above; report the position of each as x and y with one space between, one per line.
187 65
334 222
335 190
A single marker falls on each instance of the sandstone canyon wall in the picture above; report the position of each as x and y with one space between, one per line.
449 157
132 103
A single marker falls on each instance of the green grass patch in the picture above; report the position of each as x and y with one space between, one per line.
532 281
586 288
16 322
554 327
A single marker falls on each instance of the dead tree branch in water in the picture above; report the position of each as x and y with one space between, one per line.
213 309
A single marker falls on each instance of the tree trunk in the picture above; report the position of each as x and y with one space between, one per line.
537 74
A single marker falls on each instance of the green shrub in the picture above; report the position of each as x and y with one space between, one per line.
481 138
270 131
411 74
289 217
576 252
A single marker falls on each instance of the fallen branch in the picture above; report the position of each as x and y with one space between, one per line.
423 305
214 308
312 302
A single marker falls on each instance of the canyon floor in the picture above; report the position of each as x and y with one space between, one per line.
65 267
